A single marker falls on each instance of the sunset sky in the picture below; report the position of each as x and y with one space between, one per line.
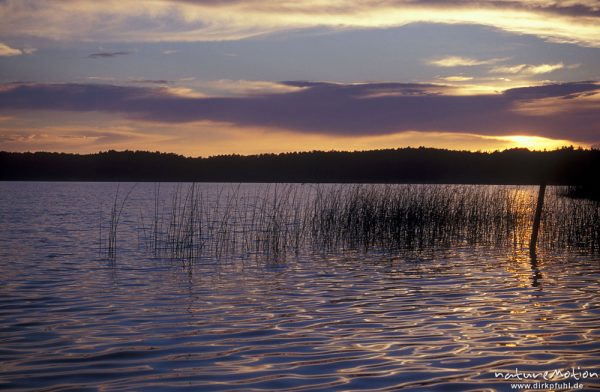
206 77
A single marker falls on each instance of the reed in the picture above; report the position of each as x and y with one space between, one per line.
110 250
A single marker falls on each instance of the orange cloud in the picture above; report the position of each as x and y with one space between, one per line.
457 61
7 51
210 138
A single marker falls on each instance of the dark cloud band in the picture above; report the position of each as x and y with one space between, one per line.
568 111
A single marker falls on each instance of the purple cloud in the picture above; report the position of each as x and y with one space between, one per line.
561 111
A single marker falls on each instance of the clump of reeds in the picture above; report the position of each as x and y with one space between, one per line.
275 220
193 225
571 224
418 217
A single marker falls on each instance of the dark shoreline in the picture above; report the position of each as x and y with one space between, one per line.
567 166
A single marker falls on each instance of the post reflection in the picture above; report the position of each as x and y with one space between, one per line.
536 274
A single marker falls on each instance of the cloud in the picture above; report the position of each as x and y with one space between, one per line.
152 81
574 21
525 69
7 51
366 109
457 61
74 138
240 87
100 55
528 69
456 78
102 78
209 138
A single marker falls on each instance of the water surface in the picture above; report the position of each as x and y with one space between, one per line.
447 319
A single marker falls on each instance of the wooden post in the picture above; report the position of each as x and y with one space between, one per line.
536 219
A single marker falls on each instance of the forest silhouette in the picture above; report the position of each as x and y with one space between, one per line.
566 166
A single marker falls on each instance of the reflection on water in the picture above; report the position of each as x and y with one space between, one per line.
441 320
536 275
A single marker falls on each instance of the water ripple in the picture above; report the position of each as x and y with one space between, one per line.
350 321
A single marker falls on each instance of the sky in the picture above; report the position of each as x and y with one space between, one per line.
211 77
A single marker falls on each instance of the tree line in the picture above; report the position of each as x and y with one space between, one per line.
566 166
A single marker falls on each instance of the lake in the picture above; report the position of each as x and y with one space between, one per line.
107 286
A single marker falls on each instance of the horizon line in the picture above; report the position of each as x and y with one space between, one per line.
479 151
